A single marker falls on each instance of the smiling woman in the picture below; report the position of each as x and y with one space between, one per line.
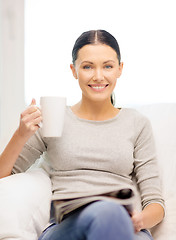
99 73
96 65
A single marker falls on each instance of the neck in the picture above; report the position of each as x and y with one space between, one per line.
95 110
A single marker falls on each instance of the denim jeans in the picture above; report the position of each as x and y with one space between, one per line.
101 220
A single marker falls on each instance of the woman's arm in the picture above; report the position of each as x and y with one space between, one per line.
147 177
151 215
29 121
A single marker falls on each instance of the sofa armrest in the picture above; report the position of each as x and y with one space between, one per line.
24 205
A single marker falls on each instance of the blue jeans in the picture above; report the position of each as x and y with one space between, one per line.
103 220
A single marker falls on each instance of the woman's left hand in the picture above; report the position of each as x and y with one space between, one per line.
137 219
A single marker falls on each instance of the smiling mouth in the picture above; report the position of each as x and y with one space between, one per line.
98 87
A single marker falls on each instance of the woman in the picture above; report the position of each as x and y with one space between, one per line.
101 148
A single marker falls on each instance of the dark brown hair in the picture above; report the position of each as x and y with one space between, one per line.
95 37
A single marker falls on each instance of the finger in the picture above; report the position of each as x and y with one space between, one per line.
37 121
31 117
32 128
33 102
29 110
138 229
134 212
138 225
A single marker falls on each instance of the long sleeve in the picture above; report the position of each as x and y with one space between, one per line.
145 165
32 150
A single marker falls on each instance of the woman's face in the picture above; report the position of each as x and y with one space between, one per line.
97 69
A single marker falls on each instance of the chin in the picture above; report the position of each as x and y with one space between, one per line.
100 99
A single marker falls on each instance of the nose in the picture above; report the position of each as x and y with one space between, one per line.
98 75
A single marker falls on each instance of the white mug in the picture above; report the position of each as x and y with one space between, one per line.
53 111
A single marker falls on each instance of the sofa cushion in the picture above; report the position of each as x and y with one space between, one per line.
163 120
24 205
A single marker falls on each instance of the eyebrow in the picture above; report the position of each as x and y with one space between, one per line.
110 61
103 63
87 62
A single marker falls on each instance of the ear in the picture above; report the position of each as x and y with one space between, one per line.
120 69
73 71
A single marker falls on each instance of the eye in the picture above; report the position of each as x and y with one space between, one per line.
86 67
108 66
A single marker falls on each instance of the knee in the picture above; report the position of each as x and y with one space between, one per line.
104 213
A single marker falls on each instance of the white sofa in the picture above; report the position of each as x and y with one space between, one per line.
25 198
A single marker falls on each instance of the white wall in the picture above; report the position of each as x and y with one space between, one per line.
12 67
145 30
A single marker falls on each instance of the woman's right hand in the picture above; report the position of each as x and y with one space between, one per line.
29 121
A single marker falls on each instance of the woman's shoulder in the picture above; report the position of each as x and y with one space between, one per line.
138 119
135 113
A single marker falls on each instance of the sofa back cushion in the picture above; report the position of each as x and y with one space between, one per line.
163 120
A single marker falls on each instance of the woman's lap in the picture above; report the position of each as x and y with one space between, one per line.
95 222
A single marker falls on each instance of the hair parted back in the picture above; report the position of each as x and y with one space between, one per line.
95 37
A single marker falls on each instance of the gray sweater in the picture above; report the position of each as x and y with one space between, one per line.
97 156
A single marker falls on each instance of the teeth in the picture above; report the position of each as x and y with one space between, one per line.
98 87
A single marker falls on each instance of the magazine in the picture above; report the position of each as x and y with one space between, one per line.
62 208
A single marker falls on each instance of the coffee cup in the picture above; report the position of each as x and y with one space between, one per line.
53 112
